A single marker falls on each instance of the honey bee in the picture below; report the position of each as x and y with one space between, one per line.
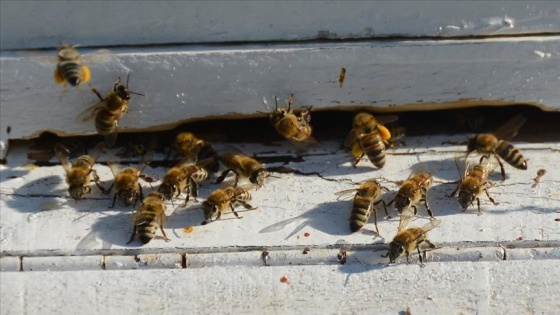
367 197
369 137
148 218
473 182
495 144
222 199
109 110
295 129
126 182
243 166
408 239
77 173
184 176
414 190
69 69
195 149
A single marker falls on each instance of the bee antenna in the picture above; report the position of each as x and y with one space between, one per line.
127 77
136 93
276 101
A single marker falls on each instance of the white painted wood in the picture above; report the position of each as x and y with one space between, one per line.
39 24
505 287
39 217
186 83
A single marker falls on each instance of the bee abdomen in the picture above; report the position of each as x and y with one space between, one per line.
375 150
208 152
105 122
358 218
71 71
147 231
200 175
511 155
84 161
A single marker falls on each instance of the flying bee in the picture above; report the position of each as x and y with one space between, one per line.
222 199
77 173
473 182
69 69
195 149
367 196
126 182
496 144
243 166
182 177
414 190
369 137
295 129
148 218
408 239
109 110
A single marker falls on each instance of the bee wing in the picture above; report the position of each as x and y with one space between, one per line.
423 167
113 163
385 119
510 128
406 216
98 56
279 225
146 159
63 154
90 111
345 192
304 144
430 225
462 165
350 138
96 151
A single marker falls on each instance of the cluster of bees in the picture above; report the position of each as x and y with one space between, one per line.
368 137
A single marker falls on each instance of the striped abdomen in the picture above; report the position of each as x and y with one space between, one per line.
106 121
208 158
197 173
84 161
239 193
147 222
374 148
71 71
511 155
360 213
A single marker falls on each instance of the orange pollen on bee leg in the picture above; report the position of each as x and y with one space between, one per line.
384 132
86 75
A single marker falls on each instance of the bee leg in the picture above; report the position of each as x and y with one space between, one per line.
454 192
236 179
114 200
384 207
420 256
233 210
163 232
141 193
478 204
223 176
407 257
501 167
358 159
430 213
96 181
491 199
194 188
133 235
375 220
415 209
96 92
246 205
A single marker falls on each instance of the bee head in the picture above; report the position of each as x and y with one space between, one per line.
395 250
128 195
402 202
465 199
166 190
123 92
209 210
257 177
77 191
471 144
